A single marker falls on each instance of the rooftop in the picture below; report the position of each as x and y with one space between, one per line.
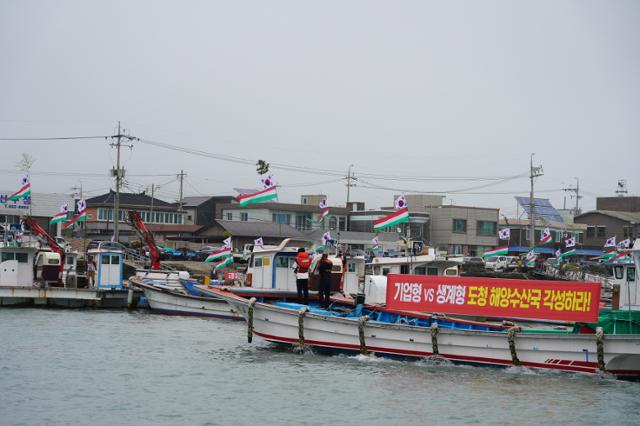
303 208
127 200
633 217
543 223
261 229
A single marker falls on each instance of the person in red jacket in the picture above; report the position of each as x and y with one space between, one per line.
303 262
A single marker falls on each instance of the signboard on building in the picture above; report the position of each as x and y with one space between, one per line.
41 205
492 297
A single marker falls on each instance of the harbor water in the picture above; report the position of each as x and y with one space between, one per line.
62 367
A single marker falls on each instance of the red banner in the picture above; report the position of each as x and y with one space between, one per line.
493 297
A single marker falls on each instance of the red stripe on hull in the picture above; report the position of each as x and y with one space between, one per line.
461 358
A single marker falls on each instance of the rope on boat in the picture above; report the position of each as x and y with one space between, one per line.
252 302
600 347
511 338
301 313
434 338
363 344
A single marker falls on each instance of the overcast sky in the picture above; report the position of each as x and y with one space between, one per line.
423 88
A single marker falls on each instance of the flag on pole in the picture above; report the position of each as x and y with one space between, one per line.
546 237
498 251
504 234
258 197
258 242
570 242
61 216
624 243
530 258
376 244
393 219
323 203
24 191
226 262
219 254
326 237
558 253
400 202
571 252
267 181
611 242
323 215
80 217
227 242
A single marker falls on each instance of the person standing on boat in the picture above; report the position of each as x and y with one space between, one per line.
303 262
324 269
91 272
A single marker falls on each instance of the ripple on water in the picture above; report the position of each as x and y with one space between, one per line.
110 367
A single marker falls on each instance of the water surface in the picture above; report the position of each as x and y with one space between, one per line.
64 367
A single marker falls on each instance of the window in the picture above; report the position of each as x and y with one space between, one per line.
258 262
456 248
618 272
244 216
105 259
342 223
282 262
631 273
351 267
68 260
282 218
460 225
486 228
7 256
229 216
385 271
24 257
591 231
115 260
602 231
628 231
432 271
303 222
333 223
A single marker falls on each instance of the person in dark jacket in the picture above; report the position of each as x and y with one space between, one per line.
324 269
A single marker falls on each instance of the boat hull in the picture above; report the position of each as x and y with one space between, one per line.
565 352
173 303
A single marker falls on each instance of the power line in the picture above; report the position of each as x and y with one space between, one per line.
62 138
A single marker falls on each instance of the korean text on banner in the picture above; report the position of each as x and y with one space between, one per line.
492 297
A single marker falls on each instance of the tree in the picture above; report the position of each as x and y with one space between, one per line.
25 162
263 167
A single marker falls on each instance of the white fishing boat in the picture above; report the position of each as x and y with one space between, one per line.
571 347
171 301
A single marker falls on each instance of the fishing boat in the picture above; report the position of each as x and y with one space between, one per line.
171 301
607 343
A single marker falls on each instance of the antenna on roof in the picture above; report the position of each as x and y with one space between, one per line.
621 189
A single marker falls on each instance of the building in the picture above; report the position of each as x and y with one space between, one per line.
603 224
614 217
245 232
417 228
202 210
302 217
618 204
468 231
42 207
100 217
352 240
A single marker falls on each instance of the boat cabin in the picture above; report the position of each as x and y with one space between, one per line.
109 260
16 265
271 267
413 265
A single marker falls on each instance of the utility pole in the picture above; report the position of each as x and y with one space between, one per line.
534 173
576 191
181 177
153 188
119 174
349 184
